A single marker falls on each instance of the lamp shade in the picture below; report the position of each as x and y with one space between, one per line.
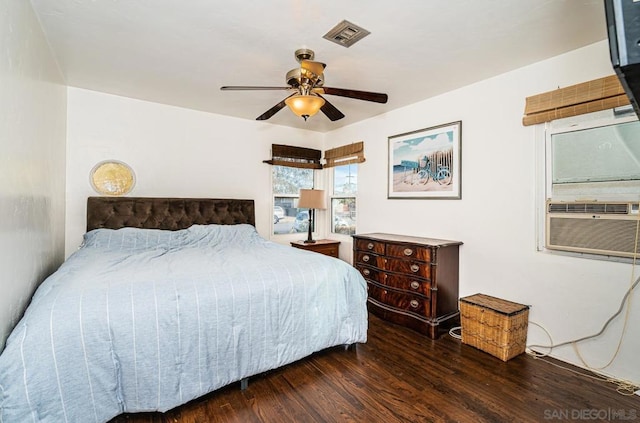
312 199
304 105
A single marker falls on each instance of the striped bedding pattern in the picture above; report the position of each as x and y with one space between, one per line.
142 319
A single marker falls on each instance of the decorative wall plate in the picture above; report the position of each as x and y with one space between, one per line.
112 177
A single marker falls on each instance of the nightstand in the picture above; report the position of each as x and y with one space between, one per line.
327 247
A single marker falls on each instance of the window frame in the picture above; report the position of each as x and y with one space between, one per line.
292 235
334 196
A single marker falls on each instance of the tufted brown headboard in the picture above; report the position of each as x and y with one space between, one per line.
166 213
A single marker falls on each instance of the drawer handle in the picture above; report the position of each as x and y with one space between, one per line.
415 268
408 252
414 303
366 258
366 272
415 285
370 245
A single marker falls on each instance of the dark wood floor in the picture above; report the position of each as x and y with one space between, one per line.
400 376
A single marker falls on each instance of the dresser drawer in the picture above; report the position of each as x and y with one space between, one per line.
369 259
407 283
328 247
410 267
409 251
371 274
372 246
328 250
406 302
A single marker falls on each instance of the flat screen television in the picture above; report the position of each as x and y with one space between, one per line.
623 29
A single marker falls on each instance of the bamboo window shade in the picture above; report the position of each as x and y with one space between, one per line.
587 97
291 156
344 155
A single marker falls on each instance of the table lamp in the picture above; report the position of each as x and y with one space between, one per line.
311 199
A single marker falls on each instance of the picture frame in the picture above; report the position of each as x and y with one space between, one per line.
426 163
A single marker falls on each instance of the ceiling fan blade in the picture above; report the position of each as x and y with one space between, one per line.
317 68
359 95
330 110
275 109
248 88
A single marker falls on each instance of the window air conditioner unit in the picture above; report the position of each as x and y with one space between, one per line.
593 227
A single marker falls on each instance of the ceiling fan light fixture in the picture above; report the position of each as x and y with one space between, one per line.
307 84
304 105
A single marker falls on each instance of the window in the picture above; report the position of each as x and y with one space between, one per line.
344 161
287 182
593 160
343 200
589 185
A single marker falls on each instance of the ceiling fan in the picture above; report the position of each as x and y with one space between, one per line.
307 86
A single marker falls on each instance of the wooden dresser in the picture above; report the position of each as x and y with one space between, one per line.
412 281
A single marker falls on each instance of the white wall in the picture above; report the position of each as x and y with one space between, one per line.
173 152
570 297
32 160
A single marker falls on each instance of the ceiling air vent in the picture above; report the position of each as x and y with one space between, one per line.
346 34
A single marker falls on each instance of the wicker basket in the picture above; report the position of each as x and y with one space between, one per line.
494 325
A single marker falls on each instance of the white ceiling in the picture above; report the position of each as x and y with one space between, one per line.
180 52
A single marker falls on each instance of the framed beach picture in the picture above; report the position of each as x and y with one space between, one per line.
426 163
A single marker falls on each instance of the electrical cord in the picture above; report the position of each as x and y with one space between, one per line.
584 338
455 335
626 316
624 387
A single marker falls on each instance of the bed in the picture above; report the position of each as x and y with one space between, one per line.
167 300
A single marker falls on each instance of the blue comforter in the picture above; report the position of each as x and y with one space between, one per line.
140 320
